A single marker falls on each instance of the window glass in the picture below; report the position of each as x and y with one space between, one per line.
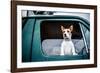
87 36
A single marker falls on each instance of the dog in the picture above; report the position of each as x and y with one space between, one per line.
67 46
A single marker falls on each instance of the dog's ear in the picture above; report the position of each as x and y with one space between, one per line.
62 28
71 28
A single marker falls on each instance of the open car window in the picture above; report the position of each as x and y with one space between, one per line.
51 37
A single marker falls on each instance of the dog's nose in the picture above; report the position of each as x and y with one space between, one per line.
65 35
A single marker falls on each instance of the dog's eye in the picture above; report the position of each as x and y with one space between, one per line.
63 31
67 31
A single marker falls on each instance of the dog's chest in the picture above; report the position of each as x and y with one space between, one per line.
67 47
67 44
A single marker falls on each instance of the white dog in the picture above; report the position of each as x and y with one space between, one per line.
67 46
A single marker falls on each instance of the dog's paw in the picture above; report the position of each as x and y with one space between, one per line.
75 54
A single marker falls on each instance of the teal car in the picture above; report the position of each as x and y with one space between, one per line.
42 37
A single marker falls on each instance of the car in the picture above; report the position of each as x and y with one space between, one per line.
42 37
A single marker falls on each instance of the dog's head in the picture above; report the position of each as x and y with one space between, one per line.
67 32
